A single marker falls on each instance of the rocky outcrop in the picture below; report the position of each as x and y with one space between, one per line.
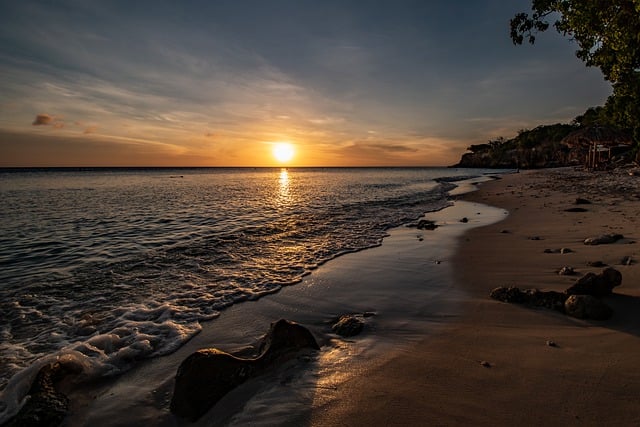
580 300
597 285
531 297
587 307
207 375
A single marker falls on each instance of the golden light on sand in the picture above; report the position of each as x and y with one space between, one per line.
283 152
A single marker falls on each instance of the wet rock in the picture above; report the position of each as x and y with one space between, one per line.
46 405
565 251
587 307
348 325
426 224
597 285
531 297
605 239
207 375
566 271
580 201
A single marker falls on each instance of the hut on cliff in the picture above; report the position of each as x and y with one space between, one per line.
595 146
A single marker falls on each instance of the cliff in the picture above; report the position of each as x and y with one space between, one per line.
551 146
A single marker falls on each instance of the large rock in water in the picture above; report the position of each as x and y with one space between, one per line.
597 285
348 325
47 406
587 307
207 375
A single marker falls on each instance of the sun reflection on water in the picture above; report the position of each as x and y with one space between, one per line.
285 197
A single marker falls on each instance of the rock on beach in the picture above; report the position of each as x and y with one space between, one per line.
207 375
604 239
587 307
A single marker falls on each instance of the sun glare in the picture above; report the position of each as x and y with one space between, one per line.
283 152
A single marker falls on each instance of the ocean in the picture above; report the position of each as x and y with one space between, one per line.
117 265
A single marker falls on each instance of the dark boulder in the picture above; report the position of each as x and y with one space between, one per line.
46 405
348 325
597 285
605 239
587 307
207 375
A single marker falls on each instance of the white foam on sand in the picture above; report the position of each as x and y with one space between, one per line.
407 282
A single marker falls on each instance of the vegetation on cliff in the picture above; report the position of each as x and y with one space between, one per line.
608 37
552 146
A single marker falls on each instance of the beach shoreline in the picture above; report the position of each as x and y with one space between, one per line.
438 350
494 365
405 282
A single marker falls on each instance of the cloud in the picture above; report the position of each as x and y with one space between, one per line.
90 129
326 120
43 120
48 120
391 148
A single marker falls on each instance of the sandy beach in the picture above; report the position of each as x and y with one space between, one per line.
493 364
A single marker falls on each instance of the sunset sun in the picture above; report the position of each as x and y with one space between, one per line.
283 152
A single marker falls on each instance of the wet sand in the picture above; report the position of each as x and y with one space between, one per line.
493 365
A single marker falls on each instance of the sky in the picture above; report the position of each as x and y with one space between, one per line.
221 82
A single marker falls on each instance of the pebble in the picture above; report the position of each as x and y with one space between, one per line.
566 271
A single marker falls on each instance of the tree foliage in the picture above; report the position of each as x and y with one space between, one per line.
608 37
607 32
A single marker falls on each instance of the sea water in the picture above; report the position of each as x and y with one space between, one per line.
111 266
